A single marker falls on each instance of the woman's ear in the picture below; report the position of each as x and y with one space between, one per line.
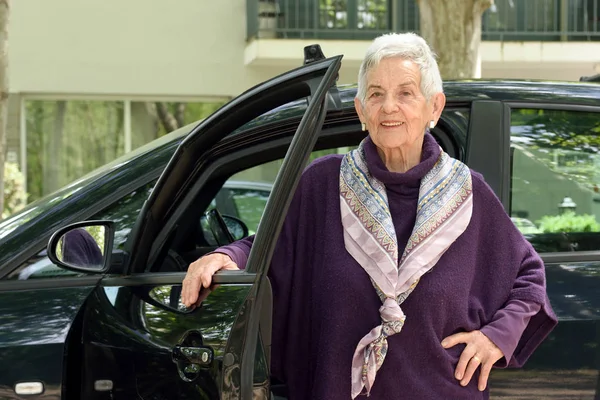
359 110
439 102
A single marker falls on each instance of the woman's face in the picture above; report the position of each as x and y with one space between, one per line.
395 111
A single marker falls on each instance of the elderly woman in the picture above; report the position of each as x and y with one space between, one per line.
397 273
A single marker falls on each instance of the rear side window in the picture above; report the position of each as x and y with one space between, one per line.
555 188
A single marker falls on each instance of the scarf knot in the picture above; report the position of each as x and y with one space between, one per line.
392 317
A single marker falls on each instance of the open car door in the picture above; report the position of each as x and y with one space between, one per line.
138 340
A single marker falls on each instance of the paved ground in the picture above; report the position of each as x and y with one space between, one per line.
552 385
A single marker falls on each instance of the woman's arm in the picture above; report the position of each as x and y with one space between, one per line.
508 326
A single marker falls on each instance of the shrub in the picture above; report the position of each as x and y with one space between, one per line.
569 222
15 196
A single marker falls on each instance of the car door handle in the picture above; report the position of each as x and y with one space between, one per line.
202 356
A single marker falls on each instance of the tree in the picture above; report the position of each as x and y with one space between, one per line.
4 12
172 116
453 29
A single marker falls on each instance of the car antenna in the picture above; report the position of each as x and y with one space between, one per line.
313 53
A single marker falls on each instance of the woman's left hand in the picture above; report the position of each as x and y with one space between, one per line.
479 351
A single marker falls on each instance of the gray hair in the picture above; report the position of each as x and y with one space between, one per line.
409 46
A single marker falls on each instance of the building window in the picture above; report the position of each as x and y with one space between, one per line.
66 139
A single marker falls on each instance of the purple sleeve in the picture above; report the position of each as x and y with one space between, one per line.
508 326
238 251
526 288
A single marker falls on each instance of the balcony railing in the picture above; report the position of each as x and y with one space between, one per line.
507 20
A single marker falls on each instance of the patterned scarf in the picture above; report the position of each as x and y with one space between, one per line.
443 212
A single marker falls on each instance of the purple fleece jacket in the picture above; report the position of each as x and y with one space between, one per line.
324 302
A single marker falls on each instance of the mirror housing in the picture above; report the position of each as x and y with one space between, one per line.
83 246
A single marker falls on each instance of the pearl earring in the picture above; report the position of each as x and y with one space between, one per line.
431 124
363 126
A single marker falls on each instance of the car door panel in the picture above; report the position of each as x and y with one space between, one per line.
247 326
130 341
35 338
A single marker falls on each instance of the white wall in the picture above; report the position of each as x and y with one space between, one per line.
518 60
540 60
129 47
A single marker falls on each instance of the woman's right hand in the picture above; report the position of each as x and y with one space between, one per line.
199 275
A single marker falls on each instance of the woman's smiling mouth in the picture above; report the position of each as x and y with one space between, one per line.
392 124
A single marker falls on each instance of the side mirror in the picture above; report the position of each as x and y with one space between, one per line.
83 246
236 227
221 229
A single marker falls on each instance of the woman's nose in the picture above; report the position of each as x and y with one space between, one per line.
390 105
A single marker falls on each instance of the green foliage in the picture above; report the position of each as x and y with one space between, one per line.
185 113
370 14
320 153
566 142
15 196
98 233
568 222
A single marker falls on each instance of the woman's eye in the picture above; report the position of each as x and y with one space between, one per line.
406 93
375 94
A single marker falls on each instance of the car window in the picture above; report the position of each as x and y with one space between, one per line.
555 188
123 213
245 193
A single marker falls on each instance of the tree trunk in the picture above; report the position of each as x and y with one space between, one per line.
453 30
166 118
4 14
180 114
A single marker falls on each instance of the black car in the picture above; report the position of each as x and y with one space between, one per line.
113 327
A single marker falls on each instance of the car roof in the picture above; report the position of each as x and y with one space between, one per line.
466 91
524 91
